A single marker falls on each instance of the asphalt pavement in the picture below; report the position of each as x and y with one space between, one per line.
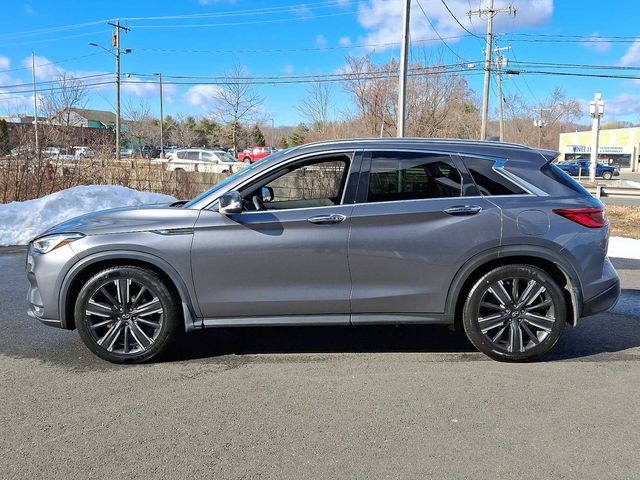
320 402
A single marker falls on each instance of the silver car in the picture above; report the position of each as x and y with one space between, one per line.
491 237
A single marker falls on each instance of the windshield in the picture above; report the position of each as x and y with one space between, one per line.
233 177
225 157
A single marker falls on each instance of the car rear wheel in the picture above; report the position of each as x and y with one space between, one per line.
126 315
515 313
607 175
247 161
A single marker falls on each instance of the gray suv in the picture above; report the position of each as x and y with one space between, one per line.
489 236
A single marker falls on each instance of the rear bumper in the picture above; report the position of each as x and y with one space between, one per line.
603 301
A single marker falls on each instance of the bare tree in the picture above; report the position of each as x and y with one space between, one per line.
315 106
141 127
59 101
184 132
237 103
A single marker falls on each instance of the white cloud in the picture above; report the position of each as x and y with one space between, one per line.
301 10
382 19
592 43
288 69
621 105
345 41
5 62
139 87
632 57
45 69
202 96
321 40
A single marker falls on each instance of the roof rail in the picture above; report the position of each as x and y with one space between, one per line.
419 140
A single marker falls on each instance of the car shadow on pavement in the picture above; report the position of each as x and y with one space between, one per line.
347 339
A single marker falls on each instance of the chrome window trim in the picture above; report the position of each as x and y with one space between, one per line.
350 151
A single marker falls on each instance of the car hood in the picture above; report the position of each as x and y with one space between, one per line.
129 219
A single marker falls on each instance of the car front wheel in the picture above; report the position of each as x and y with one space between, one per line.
126 314
607 175
514 313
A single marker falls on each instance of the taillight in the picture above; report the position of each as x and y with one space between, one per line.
587 217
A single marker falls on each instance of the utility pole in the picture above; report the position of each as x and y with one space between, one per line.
490 12
159 75
596 110
402 80
540 122
500 62
35 103
116 43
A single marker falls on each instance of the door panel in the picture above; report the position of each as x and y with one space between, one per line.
417 223
404 255
271 263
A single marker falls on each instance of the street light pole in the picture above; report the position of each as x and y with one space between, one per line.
596 110
159 75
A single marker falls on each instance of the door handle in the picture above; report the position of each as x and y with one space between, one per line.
326 219
463 210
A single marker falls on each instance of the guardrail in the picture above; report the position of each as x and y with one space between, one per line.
614 192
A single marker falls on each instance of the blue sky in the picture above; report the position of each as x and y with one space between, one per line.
231 31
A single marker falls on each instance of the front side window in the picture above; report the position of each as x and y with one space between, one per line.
488 180
397 176
315 183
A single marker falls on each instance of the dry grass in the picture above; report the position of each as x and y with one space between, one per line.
624 220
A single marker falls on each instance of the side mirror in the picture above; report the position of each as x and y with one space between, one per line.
230 203
267 194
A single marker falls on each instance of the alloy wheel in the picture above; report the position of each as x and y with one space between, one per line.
516 314
124 316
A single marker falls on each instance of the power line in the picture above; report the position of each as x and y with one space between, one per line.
436 31
458 21
247 12
251 22
46 82
288 50
53 63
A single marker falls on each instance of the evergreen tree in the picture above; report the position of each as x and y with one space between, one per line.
298 135
257 136
4 137
282 143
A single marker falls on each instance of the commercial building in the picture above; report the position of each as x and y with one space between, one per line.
618 146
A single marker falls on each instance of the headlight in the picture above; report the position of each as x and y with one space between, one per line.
51 242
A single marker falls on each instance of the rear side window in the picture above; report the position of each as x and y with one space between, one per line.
397 176
488 181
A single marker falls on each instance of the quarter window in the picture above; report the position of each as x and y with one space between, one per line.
488 181
399 176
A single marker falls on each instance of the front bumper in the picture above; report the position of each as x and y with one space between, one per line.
45 273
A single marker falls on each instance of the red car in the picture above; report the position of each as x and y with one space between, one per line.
250 156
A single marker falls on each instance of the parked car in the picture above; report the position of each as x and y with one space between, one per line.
257 153
201 160
581 167
84 152
126 152
488 236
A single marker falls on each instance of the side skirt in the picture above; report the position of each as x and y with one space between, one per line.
311 320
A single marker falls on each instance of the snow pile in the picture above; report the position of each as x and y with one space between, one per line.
622 247
22 221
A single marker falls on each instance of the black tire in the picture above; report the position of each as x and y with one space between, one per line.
104 290
607 175
486 323
568 172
